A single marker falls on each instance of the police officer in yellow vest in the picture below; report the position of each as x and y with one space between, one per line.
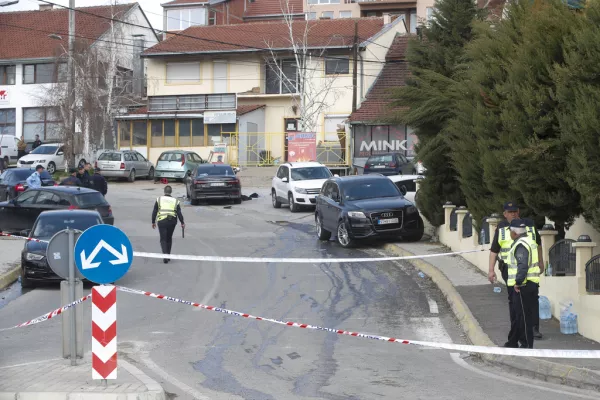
523 277
166 211
500 247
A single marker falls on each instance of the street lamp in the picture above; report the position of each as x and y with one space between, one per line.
8 3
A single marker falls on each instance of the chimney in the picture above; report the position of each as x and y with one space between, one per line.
46 7
138 65
387 19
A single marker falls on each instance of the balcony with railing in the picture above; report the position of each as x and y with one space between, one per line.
197 102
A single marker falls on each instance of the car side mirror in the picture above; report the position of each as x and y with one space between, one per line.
60 153
284 179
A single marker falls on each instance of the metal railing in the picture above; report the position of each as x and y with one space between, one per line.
562 258
592 275
467 230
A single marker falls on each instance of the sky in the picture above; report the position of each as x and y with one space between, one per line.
152 8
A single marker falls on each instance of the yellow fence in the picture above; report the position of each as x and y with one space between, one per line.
270 148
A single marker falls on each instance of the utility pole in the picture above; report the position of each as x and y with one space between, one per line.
71 85
355 67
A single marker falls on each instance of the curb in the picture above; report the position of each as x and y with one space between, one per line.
9 276
534 367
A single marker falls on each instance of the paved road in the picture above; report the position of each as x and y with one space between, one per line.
208 355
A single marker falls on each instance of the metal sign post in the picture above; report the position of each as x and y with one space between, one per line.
72 294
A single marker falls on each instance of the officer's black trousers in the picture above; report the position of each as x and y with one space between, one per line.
166 227
523 304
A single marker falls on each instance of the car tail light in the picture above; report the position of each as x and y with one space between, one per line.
73 207
55 183
366 166
199 182
109 210
235 182
122 165
19 188
182 159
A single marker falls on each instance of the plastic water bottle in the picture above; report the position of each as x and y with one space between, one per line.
549 270
482 236
545 308
497 289
573 323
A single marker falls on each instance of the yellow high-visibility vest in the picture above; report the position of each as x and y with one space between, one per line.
505 241
167 207
533 273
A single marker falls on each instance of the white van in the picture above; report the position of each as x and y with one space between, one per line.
9 151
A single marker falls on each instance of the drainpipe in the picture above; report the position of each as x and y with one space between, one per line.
362 76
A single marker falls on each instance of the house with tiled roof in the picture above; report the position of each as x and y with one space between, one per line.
32 46
240 85
371 132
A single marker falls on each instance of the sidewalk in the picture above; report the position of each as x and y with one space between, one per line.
10 254
58 380
484 316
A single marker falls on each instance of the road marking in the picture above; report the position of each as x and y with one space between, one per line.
219 270
513 380
430 329
433 307
30 363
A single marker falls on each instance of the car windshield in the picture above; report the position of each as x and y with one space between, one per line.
170 157
90 199
215 170
44 150
381 158
110 157
370 189
48 225
308 173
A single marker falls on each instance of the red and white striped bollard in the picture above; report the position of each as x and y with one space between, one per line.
104 332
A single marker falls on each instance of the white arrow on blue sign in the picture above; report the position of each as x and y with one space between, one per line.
103 254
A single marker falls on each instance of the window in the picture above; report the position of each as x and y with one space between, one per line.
43 121
197 102
27 197
180 19
308 173
332 125
311 15
7 74
214 170
191 132
163 132
360 190
323 1
183 73
212 18
123 80
124 134
47 199
337 65
327 14
140 157
44 73
413 21
345 14
8 118
429 13
281 77
140 133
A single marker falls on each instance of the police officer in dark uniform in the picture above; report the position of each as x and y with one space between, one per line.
499 250
166 211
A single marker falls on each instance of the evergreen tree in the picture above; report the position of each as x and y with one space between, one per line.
430 96
578 95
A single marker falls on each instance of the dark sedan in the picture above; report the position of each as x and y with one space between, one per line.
20 213
34 264
365 206
213 181
388 164
14 181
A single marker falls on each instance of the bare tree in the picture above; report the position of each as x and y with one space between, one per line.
316 93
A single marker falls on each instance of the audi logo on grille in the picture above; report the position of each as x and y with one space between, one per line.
387 215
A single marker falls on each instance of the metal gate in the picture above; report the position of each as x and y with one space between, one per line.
592 275
562 258
467 226
453 220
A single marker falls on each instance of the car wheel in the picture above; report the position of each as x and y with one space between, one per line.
322 233
343 236
417 236
274 200
151 174
51 168
25 282
293 206
131 177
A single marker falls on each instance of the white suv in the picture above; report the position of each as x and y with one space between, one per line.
298 184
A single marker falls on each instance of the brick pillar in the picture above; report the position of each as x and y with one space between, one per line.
493 220
448 207
583 252
548 236
460 219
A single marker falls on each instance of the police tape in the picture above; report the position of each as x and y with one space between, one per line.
295 260
543 353
49 315
24 238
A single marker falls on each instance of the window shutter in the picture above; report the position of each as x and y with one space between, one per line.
183 72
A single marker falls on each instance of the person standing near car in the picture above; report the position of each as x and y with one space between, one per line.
35 180
37 142
98 182
21 147
71 180
84 177
166 211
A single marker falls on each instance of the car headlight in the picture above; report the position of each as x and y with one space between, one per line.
41 161
356 214
34 257
300 190
411 210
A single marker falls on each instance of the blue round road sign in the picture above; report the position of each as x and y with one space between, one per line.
103 254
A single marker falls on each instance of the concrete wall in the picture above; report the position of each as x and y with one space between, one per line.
558 289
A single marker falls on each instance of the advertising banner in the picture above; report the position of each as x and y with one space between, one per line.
302 146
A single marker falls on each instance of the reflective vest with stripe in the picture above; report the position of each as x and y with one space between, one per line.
167 207
533 273
505 241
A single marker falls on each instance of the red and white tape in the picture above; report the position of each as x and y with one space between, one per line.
49 315
545 353
23 237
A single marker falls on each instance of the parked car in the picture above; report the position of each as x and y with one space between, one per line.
177 164
365 206
9 151
124 164
49 155
14 181
34 264
409 184
20 213
213 181
388 164
297 184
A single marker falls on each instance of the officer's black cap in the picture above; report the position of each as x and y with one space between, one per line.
72 170
517 223
511 206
